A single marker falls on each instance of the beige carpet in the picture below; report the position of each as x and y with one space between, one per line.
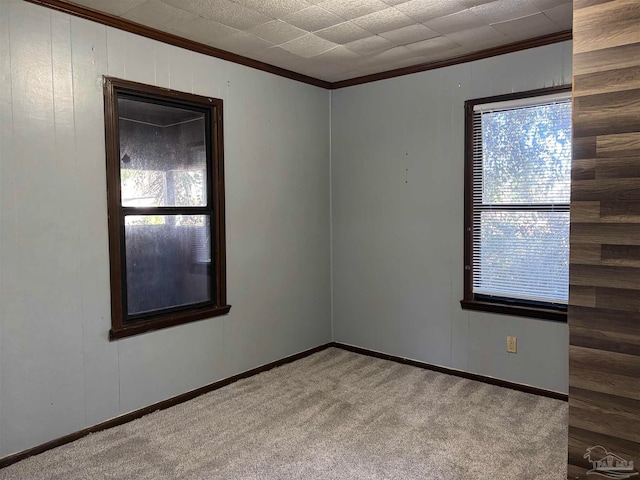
333 415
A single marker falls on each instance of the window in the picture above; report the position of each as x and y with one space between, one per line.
165 194
517 192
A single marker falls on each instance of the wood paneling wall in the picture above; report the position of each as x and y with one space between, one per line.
604 311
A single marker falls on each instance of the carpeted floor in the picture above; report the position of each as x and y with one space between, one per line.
334 415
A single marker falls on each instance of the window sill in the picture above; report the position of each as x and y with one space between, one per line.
517 310
167 321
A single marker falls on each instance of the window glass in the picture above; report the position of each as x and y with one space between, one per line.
162 155
526 154
167 261
518 185
165 195
524 255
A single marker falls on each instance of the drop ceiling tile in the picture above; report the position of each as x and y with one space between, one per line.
369 45
350 9
157 14
320 62
243 44
313 18
308 46
223 11
476 36
433 45
407 62
338 55
337 77
384 20
202 30
519 35
332 70
323 72
360 72
275 8
114 7
364 71
311 66
278 57
488 44
343 33
562 15
435 56
503 10
199 7
475 3
410 34
238 17
549 4
276 32
455 22
387 59
536 23
425 10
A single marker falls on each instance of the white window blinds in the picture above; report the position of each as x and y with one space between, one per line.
521 193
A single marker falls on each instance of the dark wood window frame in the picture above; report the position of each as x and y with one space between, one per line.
121 326
470 301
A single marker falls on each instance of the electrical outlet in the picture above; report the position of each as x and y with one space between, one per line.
512 345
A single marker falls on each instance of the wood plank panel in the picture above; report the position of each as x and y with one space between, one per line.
622 253
585 212
618 145
626 428
589 3
583 296
607 113
618 298
606 190
624 56
604 403
614 321
628 255
580 439
590 379
583 169
607 25
588 254
605 361
605 233
616 167
584 147
604 340
604 276
604 265
608 81
620 212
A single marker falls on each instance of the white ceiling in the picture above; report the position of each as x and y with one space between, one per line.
334 40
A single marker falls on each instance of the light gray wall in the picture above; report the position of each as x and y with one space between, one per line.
397 221
58 371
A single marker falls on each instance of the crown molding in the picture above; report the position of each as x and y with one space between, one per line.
470 57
